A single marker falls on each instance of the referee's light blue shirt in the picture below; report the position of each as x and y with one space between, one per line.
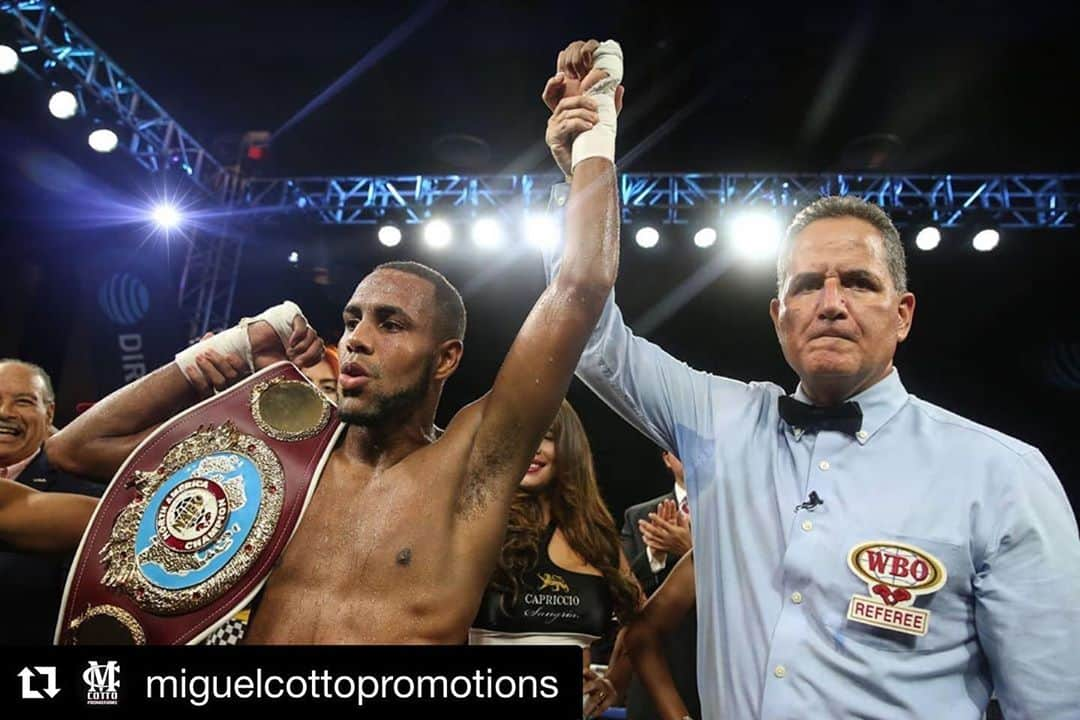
774 586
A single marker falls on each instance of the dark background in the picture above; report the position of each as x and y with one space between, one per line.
914 87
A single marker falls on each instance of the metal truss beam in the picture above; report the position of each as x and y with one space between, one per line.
208 283
412 198
50 44
1009 201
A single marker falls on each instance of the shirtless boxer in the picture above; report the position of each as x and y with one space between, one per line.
401 536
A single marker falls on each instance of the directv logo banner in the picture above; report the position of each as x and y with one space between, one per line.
133 310
124 298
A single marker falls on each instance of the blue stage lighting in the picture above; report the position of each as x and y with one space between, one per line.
166 216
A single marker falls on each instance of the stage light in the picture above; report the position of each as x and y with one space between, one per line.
9 60
986 240
928 238
294 257
647 237
166 216
487 234
389 235
541 231
103 140
63 104
756 234
437 234
705 237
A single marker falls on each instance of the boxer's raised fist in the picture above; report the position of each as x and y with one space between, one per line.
572 112
303 346
576 59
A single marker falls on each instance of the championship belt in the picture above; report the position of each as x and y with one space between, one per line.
189 529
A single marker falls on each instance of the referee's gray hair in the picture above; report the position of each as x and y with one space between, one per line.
50 396
847 206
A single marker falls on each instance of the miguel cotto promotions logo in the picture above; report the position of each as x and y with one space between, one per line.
896 574
102 682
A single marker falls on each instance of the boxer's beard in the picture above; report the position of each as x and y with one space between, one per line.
386 408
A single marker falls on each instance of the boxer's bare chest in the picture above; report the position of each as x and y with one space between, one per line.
370 562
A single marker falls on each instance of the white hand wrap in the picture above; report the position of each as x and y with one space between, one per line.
600 140
235 339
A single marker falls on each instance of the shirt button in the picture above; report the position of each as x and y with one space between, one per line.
796 597
862 434
780 671
807 525
824 465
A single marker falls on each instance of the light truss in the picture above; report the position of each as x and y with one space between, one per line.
1008 201
54 46
50 47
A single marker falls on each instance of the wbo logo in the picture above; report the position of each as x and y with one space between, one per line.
896 574
102 682
124 299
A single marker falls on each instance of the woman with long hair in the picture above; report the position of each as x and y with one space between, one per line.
561 575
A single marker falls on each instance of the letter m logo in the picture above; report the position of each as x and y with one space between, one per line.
102 678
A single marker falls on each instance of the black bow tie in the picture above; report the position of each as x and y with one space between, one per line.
845 418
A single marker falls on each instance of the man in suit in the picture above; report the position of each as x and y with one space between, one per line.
33 582
655 534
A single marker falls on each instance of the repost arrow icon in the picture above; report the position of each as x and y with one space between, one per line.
28 692
50 688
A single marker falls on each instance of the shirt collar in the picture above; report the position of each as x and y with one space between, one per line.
12 472
878 403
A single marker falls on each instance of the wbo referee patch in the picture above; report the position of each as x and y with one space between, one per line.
896 573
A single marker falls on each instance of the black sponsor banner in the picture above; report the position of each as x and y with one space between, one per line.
373 681
131 307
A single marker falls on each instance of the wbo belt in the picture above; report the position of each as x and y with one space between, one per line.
189 529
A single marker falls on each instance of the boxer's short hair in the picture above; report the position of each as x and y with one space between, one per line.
449 307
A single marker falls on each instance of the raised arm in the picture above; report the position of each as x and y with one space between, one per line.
650 389
536 373
644 638
35 521
99 440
